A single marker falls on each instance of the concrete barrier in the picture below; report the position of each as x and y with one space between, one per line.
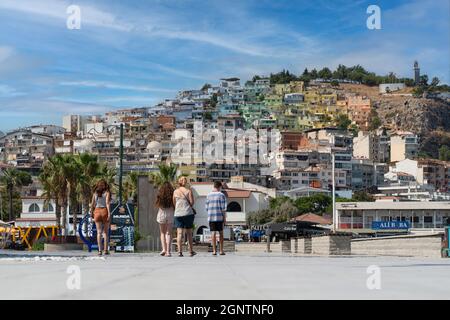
408 246
56 247
285 246
331 245
304 246
256 247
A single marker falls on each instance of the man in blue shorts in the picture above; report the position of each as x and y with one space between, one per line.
216 206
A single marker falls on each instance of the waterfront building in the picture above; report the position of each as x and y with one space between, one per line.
420 215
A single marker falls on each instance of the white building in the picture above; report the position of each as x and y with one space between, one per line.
372 145
36 213
240 202
391 87
404 145
421 215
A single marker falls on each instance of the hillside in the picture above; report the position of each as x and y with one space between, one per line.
428 117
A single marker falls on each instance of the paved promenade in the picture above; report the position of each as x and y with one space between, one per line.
149 276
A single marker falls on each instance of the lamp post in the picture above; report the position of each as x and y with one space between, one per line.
333 188
121 164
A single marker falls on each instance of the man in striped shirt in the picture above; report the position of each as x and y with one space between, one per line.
216 206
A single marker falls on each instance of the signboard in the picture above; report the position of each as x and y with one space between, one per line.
390 225
122 228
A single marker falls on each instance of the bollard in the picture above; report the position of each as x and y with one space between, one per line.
446 243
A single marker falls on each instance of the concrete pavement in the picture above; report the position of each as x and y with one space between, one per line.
149 276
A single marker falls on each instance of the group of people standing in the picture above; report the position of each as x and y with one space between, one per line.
175 209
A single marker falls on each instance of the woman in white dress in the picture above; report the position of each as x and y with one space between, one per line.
165 206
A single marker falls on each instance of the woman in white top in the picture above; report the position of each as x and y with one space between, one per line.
183 201
164 203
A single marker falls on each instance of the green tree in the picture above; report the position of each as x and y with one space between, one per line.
13 180
130 186
325 73
255 78
282 77
341 72
374 120
205 87
354 129
285 212
166 173
260 217
423 81
362 196
89 169
314 204
275 203
343 122
444 153
51 183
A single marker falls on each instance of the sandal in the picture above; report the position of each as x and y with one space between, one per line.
162 253
180 254
222 253
192 254
106 252
214 253
168 255
99 253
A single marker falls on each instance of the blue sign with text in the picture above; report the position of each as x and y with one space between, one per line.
390 225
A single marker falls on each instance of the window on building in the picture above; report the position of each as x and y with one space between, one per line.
48 207
34 207
234 207
428 219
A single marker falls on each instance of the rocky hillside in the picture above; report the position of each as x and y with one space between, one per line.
428 117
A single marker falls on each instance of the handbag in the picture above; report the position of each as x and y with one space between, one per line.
190 205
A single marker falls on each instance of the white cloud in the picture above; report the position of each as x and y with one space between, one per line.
57 9
31 106
5 53
111 85
9 92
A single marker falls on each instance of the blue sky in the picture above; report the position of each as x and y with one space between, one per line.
135 53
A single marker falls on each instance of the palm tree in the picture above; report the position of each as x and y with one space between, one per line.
53 179
72 173
89 171
49 180
167 173
130 186
13 179
109 175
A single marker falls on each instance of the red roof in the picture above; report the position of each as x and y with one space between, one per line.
231 193
313 218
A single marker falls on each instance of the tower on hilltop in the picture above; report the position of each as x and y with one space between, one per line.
416 73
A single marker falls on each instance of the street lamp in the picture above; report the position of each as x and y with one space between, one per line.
333 188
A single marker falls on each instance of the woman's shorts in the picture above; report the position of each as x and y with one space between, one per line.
101 215
165 216
185 222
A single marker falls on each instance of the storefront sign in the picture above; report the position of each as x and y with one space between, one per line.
390 225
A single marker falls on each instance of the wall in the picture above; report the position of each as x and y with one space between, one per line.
416 246
146 220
